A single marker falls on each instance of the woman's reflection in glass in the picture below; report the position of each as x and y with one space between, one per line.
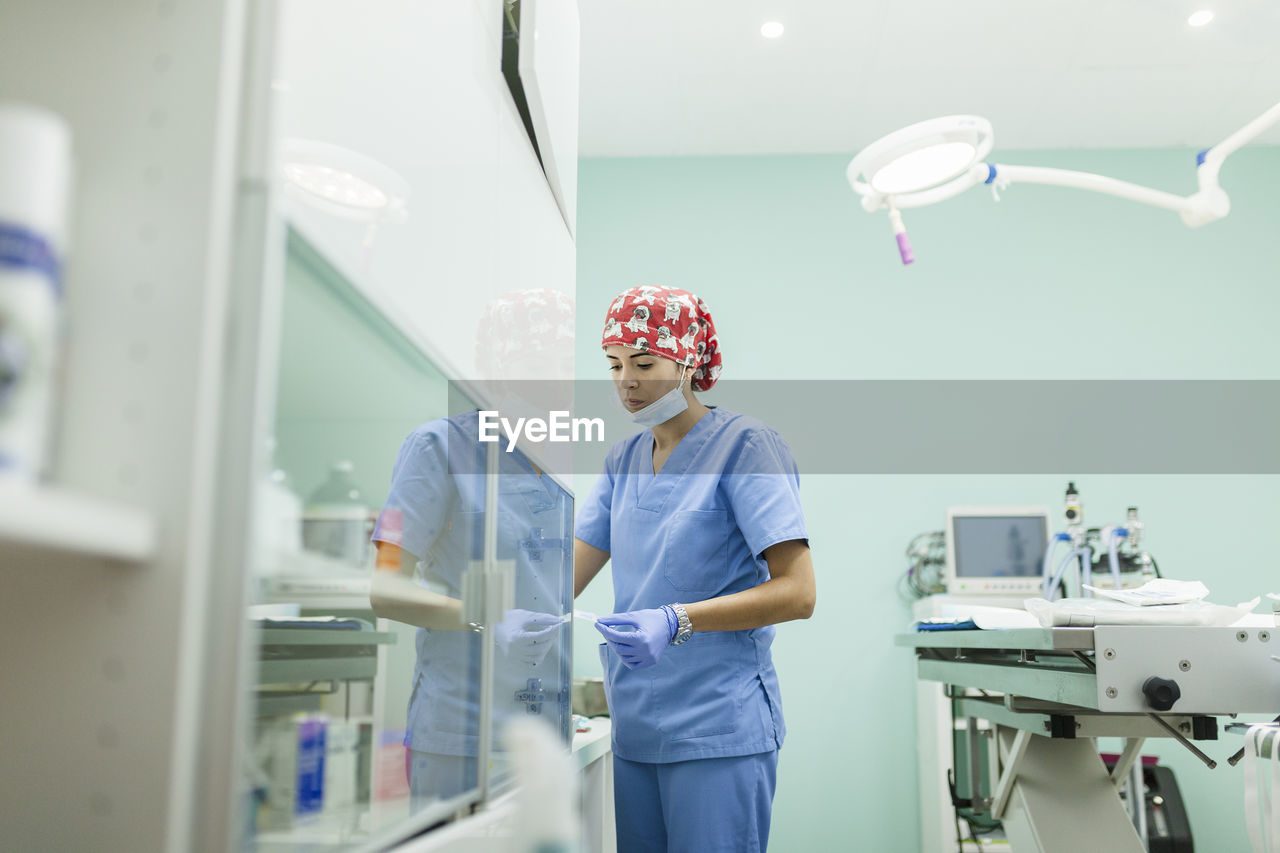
432 529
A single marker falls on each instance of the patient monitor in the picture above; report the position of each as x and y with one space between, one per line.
995 550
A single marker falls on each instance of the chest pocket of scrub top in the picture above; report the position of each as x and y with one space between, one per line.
695 552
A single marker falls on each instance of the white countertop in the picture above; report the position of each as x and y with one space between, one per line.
588 746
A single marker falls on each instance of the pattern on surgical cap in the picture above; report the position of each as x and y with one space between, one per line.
666 322
519 323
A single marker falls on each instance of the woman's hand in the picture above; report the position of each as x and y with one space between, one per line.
643 646
526 635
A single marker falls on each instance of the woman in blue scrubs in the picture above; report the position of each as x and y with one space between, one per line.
700 515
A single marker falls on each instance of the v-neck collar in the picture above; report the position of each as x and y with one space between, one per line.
651 444
652 489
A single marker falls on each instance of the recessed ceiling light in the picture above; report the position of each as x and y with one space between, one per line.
771 30
1199 19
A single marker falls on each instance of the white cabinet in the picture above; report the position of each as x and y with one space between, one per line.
549 69
533 247
123 681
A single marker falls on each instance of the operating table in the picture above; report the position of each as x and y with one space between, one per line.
1048 692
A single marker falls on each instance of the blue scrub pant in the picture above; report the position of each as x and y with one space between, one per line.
705 805
435 777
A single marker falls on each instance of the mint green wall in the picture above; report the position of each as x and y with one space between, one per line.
350 386
1048 283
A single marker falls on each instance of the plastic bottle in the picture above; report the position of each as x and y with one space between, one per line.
279 523
336 519
35 180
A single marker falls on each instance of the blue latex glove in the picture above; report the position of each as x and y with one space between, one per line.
526 635
651 631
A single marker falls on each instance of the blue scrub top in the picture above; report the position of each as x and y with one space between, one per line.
438 485
696 530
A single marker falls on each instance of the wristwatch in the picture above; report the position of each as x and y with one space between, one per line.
684 628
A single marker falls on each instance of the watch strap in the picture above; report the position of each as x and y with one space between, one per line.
684 628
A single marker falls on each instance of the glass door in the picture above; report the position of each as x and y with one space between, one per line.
412 586
364 662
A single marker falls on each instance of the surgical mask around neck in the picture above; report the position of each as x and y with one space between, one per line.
665 407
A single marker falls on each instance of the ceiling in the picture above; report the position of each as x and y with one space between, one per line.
695 77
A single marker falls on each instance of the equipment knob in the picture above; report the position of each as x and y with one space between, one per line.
1161 693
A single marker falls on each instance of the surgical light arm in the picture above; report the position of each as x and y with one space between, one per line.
1207 204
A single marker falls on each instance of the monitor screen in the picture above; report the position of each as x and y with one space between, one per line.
993 546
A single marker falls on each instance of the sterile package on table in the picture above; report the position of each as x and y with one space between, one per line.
1088 612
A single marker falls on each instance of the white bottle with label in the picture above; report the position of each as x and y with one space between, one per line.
35 181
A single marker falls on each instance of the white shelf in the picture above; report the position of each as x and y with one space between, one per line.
52 519
332 827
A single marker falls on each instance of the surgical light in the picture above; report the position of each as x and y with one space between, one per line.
1199 19
336 185
921 156
771 30
935 160
924 168
342 182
